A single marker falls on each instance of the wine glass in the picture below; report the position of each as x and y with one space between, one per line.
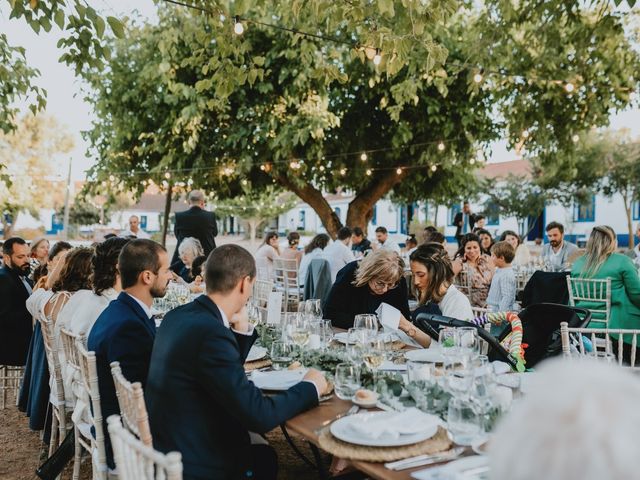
313 309
374 353
253 314
300 330
366 321
356 341
347 380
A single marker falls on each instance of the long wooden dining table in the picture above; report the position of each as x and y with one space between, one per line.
308 424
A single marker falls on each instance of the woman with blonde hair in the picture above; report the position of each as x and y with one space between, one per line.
601 261
362 287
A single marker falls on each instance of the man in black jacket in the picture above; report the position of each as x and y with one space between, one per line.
199 398
15 288
464 222
195 222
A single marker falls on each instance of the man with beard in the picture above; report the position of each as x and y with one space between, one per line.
125 330
558 251
15 288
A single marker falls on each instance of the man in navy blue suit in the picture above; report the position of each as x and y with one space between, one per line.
124 331
199 399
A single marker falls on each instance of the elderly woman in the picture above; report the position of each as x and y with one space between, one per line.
361 288
601 261
478 266
579 420
523 256
433 278
189 249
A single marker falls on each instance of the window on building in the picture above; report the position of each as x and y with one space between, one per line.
337 211
635 210
374 217
302 220
453 211
585 212
492 216
143 222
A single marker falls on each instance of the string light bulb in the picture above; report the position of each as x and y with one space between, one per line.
368 172
343 171
441 147
377 58
263 168
575 138
434 168
238 28
363 157
399 171
244 181
477 78
569 87
167 175
525 134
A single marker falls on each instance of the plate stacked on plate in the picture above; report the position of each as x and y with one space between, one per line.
386 429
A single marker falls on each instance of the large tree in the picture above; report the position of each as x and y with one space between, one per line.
30 152
190 99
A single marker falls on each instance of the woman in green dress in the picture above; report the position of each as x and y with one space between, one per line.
601 261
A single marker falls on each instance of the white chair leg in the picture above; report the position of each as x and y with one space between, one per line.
53 441
77 454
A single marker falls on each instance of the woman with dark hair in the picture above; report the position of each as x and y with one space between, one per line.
34 392
293 252
432 274
486 240
523 257
314 249
469 260
266 254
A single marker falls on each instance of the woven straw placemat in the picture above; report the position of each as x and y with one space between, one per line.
250 366
438 443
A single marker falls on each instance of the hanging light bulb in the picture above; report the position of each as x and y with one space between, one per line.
244 181
343 171
477 78
575 138
363 157
263 168
434 168
472 161
167 175
368 172
525 134
399 171
377 58
441 147
321 168
569 87
238 28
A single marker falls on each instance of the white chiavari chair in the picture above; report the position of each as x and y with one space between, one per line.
57 401
286 276
595 295
10 377
261 291
137 461
133 410
575 341
89 381
462 281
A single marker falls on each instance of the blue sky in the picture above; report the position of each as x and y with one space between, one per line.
64 99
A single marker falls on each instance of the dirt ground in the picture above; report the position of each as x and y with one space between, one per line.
21 451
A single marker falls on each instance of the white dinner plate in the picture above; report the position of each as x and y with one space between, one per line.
425 355
256 353
343 429
277 380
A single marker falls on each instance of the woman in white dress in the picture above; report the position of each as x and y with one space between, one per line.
266 254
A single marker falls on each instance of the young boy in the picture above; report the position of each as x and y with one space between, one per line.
502 294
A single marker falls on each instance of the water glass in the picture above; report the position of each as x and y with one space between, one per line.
366 321
420 371
312 309
468 341
458 378
448 340
347 380
281 354
356 341
463 422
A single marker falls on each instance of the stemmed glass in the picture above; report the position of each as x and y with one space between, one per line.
299 331
374 353
313 309
253 314
356 342
366 321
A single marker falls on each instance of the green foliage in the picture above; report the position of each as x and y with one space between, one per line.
16 79
82 45
514 196
82 212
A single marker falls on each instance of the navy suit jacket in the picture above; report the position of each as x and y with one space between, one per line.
199 399
122 333
197 223
15 319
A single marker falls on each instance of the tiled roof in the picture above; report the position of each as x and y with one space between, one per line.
502 169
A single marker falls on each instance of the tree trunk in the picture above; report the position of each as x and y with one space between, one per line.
361 207
167 211
435 217
253 224
316 200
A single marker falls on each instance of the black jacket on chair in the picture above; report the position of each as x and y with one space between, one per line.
199 399
15 320
197 223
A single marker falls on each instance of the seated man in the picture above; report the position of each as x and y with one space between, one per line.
199 399
124 331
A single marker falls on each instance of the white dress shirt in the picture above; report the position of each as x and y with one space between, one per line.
145 307
139 234
338 255
389 245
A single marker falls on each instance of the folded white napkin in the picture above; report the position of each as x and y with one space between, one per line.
389 317
500 367
277 379
409 422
